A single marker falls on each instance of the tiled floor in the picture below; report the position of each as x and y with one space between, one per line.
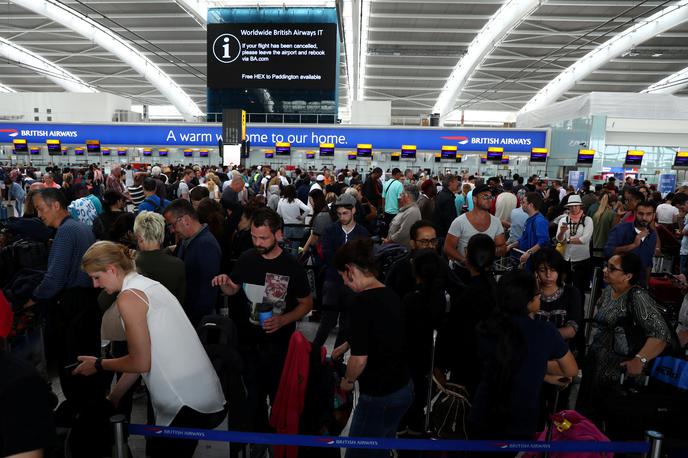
205 449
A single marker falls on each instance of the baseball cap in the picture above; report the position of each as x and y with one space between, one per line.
320 177
345 200
6 317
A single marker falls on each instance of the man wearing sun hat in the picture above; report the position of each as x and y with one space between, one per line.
575 231
26 422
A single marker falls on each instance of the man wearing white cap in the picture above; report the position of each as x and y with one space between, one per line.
319 183
575 231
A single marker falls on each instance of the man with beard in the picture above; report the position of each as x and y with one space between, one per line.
277 296
335 294
638 236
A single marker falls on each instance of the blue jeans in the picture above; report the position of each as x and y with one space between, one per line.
684 264
379 416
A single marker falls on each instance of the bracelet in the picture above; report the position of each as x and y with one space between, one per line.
98 364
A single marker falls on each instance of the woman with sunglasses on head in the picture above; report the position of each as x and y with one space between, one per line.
517 355
628 333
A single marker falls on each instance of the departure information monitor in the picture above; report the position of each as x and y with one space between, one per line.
408 151
634 157
538 155
327 150
364 150
93 146
585 157
495 154
54 147
275 56
681 159
449 152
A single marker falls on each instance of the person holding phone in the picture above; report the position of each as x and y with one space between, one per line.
163 348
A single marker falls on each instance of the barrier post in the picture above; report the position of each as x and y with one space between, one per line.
590 305
655 439
432 368
119 446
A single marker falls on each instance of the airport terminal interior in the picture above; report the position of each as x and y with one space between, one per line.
355 228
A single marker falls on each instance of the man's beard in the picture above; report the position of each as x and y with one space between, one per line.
262 250
641 224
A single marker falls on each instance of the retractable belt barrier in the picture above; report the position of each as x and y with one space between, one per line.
388 444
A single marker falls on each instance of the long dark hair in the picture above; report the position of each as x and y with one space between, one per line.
515 290
318 198
481 254
289 193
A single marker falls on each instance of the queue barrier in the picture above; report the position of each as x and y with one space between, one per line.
650 448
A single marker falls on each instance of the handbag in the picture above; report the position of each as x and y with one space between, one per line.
629 337
671 370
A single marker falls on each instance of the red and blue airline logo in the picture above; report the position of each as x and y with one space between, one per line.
10 132
460 139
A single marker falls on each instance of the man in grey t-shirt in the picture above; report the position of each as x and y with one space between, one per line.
477 221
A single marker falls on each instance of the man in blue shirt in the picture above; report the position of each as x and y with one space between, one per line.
152 202
637 236
201 254
536 231
76 316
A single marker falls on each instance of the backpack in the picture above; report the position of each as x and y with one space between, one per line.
171 189
158 208
219 337
569 425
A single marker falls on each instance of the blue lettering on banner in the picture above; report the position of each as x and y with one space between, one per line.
667 183
385 443
513 141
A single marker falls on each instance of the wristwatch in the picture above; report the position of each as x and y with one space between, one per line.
642 359
98 364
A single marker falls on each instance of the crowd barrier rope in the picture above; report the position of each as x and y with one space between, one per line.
650 448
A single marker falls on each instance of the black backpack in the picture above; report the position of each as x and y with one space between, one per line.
157 208
171 190
219 337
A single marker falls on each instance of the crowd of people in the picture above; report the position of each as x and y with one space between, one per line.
140 257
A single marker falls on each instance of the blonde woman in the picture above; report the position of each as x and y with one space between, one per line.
212 182
163 348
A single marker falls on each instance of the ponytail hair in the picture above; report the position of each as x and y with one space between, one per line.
106 253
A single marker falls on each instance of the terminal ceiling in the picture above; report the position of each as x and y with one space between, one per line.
405 54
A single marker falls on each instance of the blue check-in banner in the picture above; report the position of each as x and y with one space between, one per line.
512 140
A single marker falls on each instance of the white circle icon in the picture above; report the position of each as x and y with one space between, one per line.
226 48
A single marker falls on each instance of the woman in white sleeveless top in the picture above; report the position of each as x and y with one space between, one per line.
163 348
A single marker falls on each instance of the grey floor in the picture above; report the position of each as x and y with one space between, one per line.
205 449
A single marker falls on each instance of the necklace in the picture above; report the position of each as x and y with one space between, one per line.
552 297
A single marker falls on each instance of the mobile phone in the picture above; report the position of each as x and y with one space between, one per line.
72 366
518 251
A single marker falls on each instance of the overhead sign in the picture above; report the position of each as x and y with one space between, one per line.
467 140
287 56
667 183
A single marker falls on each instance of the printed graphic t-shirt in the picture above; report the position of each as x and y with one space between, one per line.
276 283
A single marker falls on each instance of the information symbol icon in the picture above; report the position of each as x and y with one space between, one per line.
226 48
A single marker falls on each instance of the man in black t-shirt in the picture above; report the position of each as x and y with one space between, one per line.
277 296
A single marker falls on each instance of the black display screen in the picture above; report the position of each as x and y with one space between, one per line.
20 146
408 153
310 155
203 153
269 155
448 153
634 158
162 152
681 159
395 158
283 150
188 153
327 151
351 156
93 146
147 152
78 151
585 157
54 147
276 56
122 152
495 156
538 157
364 152
106 151
35 150
483 159
458 158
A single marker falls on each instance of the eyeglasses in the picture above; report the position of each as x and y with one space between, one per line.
426 242
612 268
172 224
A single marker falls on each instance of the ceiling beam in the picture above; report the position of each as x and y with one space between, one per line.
644 30
93 31
671 84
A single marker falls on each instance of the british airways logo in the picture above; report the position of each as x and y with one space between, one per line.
10 132
460 139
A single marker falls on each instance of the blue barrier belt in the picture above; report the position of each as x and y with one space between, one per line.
386 444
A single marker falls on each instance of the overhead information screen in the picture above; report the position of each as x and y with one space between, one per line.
681 160
93 146
78 151
106 151
351 156
20 146
634 157
310 154
459 157
364 150
408 151
483 159
505 160
585 157
35 150
203 152
275 56
327 150
495 154
122 151
538 155
188 152
449 152
147 151
283 148
54 147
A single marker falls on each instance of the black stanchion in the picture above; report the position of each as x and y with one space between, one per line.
656 440
119 447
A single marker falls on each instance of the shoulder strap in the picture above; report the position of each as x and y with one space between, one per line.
143 298
388 186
